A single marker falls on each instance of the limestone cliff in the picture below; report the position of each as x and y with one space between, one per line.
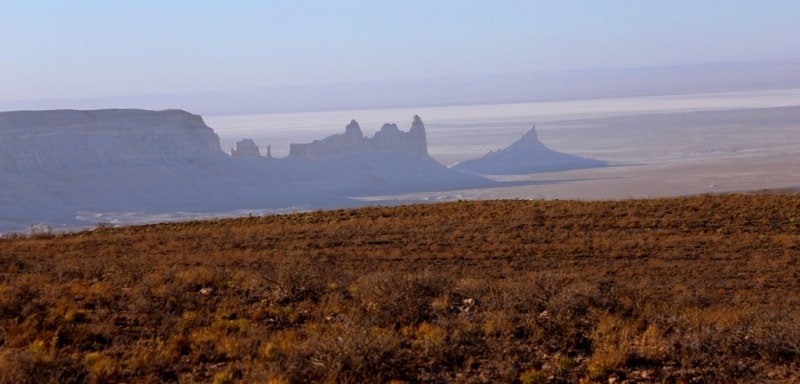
80 140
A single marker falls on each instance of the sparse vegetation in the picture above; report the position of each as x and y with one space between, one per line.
698 289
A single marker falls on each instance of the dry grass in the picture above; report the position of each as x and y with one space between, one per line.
701 289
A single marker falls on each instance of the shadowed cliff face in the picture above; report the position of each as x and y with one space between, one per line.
529 139
526 155
390 139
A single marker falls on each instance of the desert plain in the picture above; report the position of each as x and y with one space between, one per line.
656 146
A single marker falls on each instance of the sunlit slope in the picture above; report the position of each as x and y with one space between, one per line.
669 290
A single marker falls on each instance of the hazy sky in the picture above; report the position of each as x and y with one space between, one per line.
57 49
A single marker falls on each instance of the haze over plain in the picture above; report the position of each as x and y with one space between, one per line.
229 58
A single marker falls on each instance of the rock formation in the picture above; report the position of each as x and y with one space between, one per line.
69 168
390 139
246 148
526 155
83 140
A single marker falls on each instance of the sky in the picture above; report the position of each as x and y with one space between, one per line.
79 48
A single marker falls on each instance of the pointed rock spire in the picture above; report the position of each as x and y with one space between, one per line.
417 124
530 138
417 132
527 155
353 130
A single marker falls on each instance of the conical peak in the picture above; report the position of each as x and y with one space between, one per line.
532 134
531 137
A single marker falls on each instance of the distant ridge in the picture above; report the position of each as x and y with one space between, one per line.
448 91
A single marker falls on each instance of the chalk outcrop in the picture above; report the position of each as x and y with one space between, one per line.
71 140
527 155
390 139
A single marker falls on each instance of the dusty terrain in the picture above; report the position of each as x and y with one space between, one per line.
700 289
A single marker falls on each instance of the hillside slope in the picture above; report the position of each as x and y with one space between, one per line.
698 289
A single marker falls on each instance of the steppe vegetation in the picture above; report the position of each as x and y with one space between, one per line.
689 290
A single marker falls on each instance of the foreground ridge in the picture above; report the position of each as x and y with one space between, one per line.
700 288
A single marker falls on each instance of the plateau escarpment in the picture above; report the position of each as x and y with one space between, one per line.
74 141
69 166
